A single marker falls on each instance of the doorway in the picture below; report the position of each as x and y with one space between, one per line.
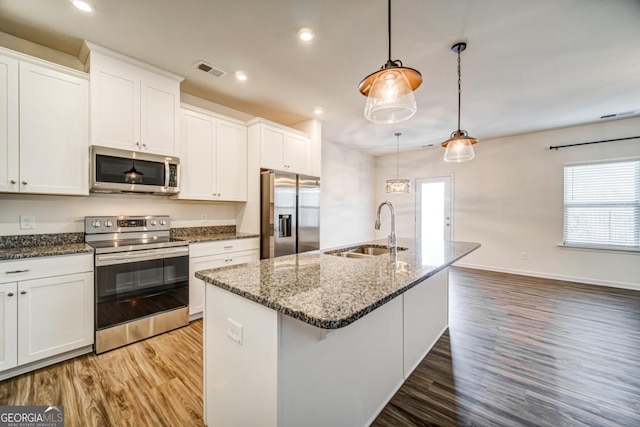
434 206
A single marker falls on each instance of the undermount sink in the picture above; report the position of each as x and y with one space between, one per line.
363 251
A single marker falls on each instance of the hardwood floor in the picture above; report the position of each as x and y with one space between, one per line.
523 351
156 382
520 351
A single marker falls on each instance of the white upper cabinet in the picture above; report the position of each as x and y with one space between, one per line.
213 157
134 106
231 160
45 130
9 124
282 148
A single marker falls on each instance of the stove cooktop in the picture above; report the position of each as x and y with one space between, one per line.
125 245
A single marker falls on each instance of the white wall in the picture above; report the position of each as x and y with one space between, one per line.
510 199
347 210
65 214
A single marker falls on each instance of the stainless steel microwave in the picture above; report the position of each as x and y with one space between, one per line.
124 171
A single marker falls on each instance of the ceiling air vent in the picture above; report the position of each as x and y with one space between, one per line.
210 69
611 116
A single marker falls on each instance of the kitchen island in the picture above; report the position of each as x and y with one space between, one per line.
321 339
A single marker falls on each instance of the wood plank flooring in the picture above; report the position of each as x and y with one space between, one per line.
524 351
156 382
520 351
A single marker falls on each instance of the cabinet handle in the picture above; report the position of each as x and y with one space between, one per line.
16 271
138 144
24 182
144 145
10 294
13 181
230 259
23 292
228 247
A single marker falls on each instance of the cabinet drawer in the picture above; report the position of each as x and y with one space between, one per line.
35 268
222 246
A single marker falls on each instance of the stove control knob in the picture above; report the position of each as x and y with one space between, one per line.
163 222
154 222
96 224
108 224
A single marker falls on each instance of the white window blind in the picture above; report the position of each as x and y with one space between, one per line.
602 205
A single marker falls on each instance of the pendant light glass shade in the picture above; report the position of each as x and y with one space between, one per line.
390 97
459 147
389 90
397 185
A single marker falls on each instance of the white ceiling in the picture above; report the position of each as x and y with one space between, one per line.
529 65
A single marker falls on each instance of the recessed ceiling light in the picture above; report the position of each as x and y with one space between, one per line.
317 111
83 5
241 75
305 34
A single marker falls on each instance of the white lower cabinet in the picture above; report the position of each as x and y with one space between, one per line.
8 325
44 318
207 255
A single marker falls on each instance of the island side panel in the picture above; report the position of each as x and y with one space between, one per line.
341 377
240 380
426 317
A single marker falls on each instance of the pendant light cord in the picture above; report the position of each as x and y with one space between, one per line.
389 27
459 90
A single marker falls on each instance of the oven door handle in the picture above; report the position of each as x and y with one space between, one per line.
145 255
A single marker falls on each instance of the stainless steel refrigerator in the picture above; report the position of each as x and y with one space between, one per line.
290 213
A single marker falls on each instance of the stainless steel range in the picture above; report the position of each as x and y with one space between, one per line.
141 278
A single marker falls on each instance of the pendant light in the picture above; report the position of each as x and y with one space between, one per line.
397 185
132 176
389 90
460 144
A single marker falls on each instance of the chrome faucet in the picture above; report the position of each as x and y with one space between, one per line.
393 241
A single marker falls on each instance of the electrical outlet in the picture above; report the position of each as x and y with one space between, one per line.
234 330
27 222
524 256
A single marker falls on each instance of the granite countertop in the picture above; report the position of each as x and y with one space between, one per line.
42 245
331 292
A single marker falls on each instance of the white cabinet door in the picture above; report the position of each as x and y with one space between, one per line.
217 255
9 173
197 156
54 135
133 105
55 315
115 104
8 325
231 161
196 286
272 148
160 103
297 154
284 150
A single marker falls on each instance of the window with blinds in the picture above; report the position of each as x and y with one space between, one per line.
602 205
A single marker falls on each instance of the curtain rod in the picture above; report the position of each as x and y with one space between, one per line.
555 147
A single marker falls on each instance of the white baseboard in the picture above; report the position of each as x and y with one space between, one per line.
586 280
23 369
